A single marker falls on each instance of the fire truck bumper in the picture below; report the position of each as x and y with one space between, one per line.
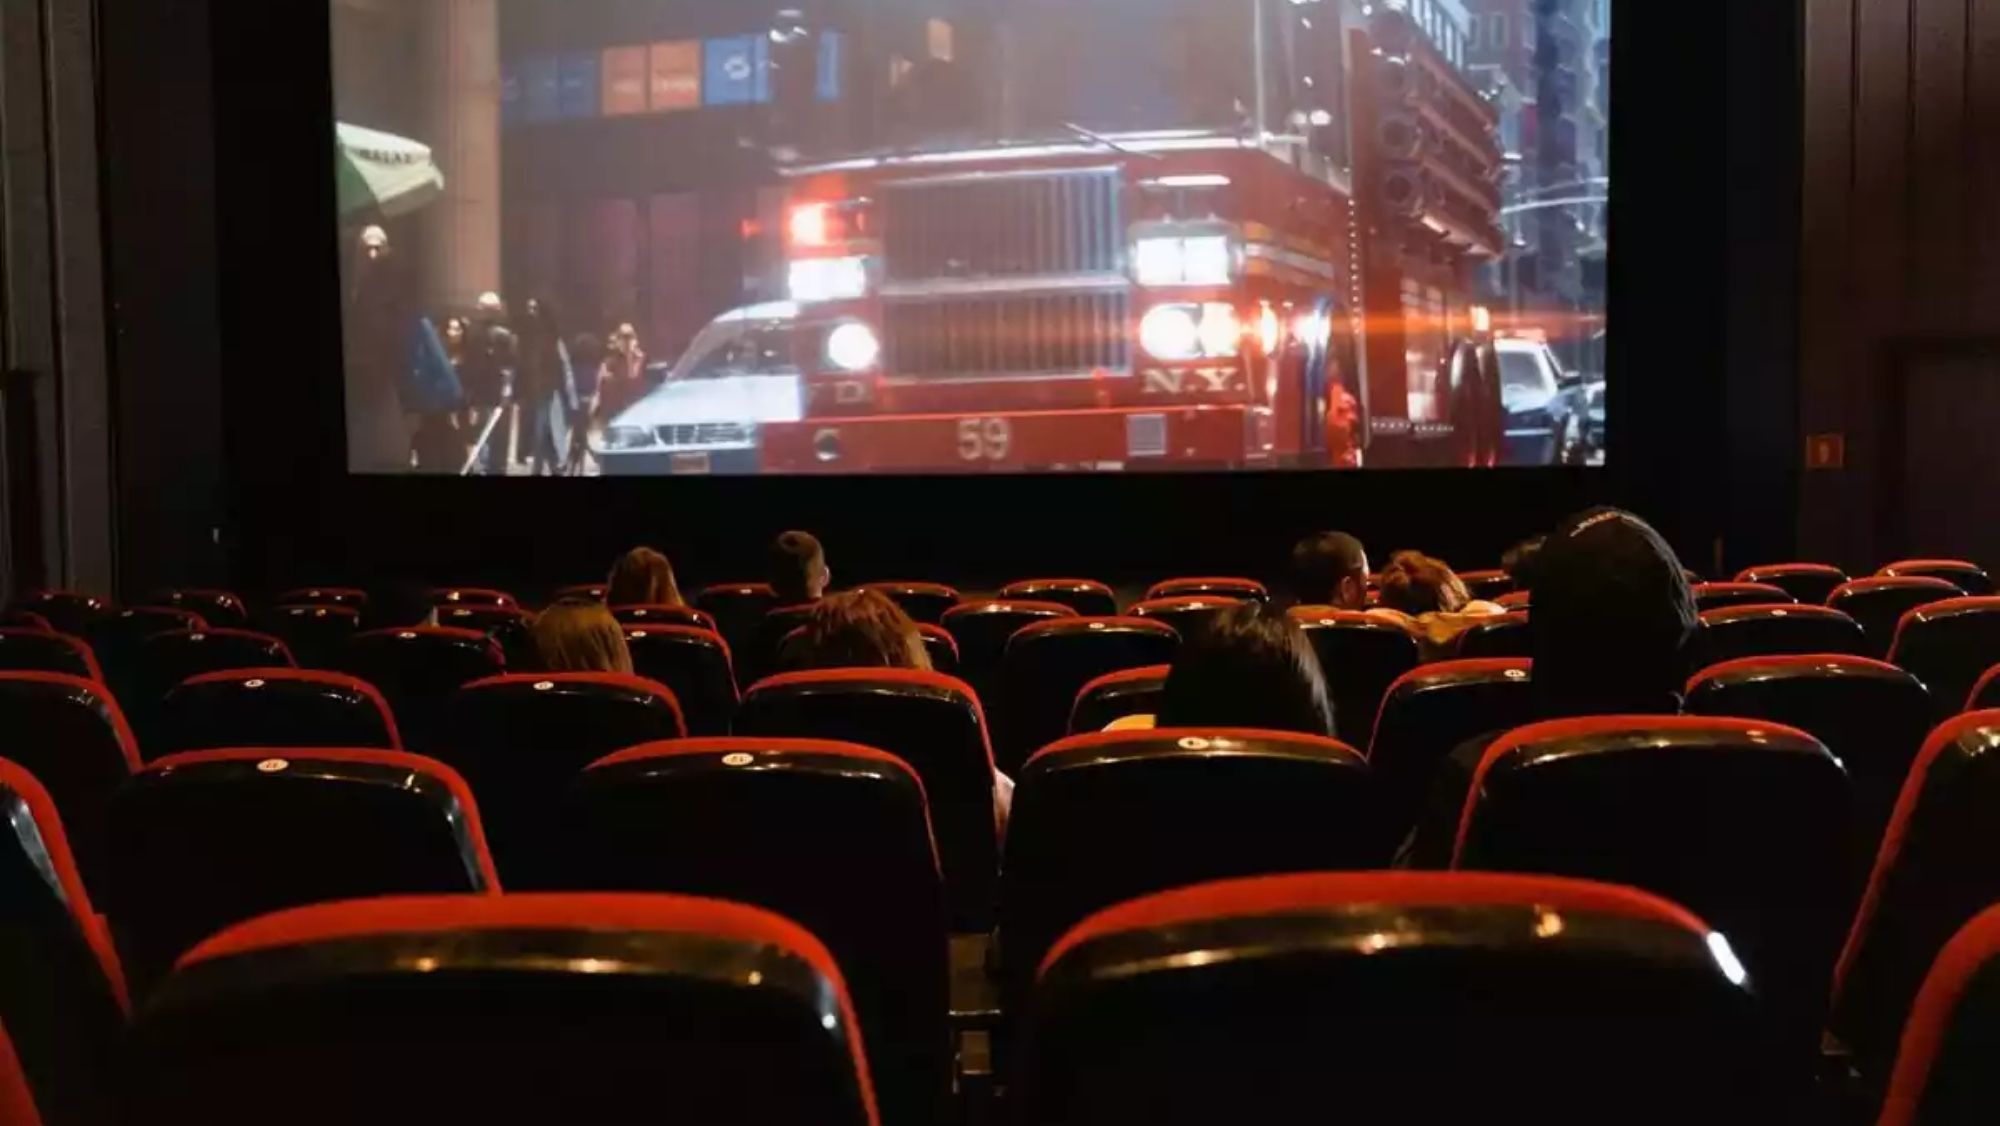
1021 441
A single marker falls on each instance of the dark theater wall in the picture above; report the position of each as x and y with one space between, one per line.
1900 319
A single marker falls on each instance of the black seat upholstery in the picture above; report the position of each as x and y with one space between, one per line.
289 708
1965 575
1188 614
72 736
203 840
833 836
696 664
1810 583
520 1008
1426 714
68 611
418 669
1880 603
1361 657
1049 663
1497 637
1085 597
1763 631
925 602
1949 645
1243 590
316 635
1432 998
1115 695
1717 596
982 630
33 650
221 609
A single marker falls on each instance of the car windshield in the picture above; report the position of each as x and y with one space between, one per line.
764 349
1522 371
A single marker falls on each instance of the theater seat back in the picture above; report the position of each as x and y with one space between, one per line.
930 721
1880 603
1118 695
1361 657
696 664
203 840
1427 714
982 630
418 670
1397 997
1047 664
506 1010
72 736
1949 645
274 708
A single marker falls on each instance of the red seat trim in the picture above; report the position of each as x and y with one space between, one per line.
912 678
1986 681
1786 662
48 823
740 590
1125 676
1094 739
1165 587
938 633
1082 625
415 915
441 595
1282 895
1898 828
1930 1017
1889 570
1000 605
1479 666
1981 603
399 760
310 676
128 745
76 645
1073 584
1779 593
1891 582
1182 602
251 635
17 1099
1590 726
912 587
683 633
1748 574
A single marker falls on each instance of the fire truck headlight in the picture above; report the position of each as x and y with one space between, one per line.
1270 333
1221 330
1171 332
853 347
1177 260
828 279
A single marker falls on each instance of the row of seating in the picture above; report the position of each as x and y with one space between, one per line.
1742 822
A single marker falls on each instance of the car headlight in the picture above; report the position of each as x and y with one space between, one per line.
629 437
828 279
1186 331
853 347
1183 260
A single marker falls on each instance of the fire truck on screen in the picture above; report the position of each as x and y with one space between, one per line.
1232 239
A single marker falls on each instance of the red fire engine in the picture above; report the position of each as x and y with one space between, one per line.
1159 298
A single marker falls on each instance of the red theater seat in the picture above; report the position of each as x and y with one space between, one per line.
17 1100
1426 714
1361 657
1102 818
1717 596
1937 868
68 611
25 619
115 638
289 708
1986 693
505 1011
1872 716
33 650
941 647
1244 590
520 739
483 618
1745 822
1116 695
930 721
762 656
316 635
1517 600
1499 636
349 597
200 841
738 608
1944 1074
1966 576
1085 597
1047 664
418 669
582 592
62 993
219 608
926 602
664 616
696 665
70 733
1949 645
471 596
982 630
1768 631
1487 586
1188 614
833 836
1810 583
1880 603
1397 997
166 659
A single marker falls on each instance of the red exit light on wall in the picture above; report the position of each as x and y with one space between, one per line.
1826 451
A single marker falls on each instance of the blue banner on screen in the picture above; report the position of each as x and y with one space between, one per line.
971 237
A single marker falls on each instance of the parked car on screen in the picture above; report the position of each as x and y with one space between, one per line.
1554 417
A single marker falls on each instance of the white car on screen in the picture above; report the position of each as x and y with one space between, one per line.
737 374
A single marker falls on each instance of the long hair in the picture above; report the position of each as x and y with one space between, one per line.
1417 584
642 577
1251 666
858 629
575 635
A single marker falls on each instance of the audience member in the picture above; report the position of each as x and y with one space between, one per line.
1428 598
1330 569
1612 610
399 606
1251 666
797 569
858 629
579 635
642 577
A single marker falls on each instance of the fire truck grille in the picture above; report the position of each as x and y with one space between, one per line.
1045 334
1003 226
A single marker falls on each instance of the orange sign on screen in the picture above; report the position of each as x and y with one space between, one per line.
676 75
624 73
